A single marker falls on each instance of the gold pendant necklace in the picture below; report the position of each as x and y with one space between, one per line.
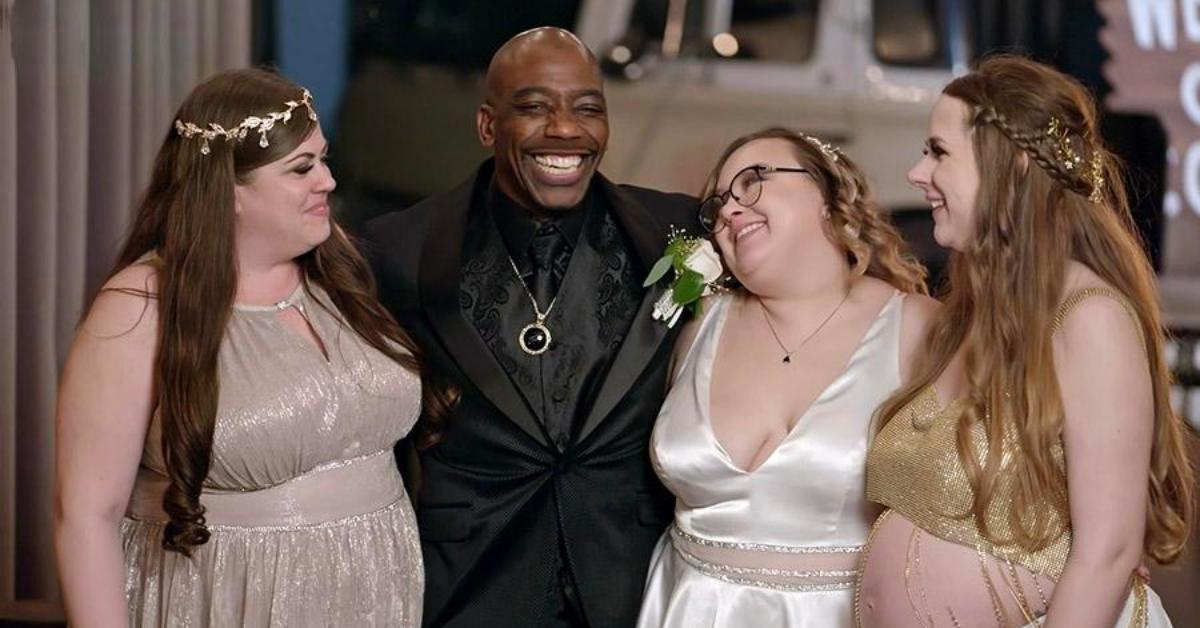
535 337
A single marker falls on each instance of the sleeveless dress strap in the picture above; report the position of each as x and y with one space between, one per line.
1082 295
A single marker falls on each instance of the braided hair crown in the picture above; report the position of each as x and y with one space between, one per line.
1050 117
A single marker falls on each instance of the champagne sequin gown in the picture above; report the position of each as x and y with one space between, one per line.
309 519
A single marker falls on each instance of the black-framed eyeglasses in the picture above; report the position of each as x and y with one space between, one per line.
745 188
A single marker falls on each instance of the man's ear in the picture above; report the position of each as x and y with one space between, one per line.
485 119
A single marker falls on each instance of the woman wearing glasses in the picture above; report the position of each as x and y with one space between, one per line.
763 436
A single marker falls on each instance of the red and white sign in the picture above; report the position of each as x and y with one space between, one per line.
1154 68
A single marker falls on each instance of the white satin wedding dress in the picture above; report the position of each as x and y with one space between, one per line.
778 546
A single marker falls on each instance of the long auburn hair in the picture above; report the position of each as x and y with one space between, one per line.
1032 216
186 219
856 224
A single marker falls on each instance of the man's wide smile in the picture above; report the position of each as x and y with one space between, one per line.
558 168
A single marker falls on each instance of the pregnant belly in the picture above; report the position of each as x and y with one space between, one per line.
912 578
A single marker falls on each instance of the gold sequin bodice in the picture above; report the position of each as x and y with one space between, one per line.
913 467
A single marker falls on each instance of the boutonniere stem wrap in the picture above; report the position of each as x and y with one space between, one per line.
696 267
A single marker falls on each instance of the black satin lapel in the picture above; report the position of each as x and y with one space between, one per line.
645 335
648 237
644 339
441 267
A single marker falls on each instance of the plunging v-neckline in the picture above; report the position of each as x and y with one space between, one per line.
706 394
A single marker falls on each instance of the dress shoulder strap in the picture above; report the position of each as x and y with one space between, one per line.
1082 295
711 316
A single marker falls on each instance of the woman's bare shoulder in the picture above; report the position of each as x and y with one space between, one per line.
126 303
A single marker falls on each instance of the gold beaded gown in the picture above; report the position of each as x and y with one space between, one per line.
914 470
310 524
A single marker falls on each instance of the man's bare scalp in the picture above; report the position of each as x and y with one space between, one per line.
531 47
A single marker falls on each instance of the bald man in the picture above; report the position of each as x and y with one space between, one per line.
523 287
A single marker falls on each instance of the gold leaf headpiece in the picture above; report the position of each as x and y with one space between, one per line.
1056 132
260 124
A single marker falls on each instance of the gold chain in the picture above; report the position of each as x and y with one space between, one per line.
912 567
537 312
863 565
997 604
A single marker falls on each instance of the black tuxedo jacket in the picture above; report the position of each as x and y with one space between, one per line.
496 497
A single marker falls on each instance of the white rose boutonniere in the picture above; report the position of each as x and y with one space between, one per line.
696 268
704 260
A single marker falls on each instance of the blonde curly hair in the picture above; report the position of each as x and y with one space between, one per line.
856 224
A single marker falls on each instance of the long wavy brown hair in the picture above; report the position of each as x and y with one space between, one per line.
186 220
856 223
1033 215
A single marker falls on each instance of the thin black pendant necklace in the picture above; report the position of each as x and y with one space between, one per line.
535 337
787 353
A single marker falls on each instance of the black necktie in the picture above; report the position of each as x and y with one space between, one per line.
550 254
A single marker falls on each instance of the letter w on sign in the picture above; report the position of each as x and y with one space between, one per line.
1154 68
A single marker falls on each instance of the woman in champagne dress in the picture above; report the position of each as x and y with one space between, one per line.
229 407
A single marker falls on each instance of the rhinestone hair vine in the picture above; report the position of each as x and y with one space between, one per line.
827 149
260 124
